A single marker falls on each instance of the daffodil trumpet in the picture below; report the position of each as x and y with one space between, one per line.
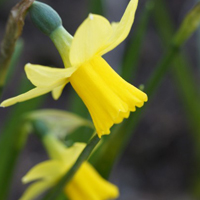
86 184
107 96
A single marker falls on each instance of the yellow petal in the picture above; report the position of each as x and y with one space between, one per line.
44 76
89 39
102 103
103 188
35 189
73 192
26 96
60 152
88 184
121 29
107 96
72 153
47 170
57 91
96 36
127 92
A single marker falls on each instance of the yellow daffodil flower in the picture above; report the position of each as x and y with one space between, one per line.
107 96
86 184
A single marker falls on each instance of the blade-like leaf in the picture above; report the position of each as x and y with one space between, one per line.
11 138
111 148
55 192
13 31
60 123
186 88
96 6
133 48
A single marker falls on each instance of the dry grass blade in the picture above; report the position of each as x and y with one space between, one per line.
13 31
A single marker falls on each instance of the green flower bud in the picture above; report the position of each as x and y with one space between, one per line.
188 26
44 17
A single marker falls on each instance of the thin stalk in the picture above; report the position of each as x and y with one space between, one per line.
189 95
161 70
186 87
198 43
133 48
55 192
181 71
13 31
96 6
11 137
113 145
7 169
15 58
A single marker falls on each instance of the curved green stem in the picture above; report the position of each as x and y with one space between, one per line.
55 192
113 145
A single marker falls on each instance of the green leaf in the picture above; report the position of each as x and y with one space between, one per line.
60 123
182 73
132 53
13 31
54 193
188 26
187 89
112 146
96 6
12 139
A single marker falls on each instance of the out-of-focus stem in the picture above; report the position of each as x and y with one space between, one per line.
11 139
187 88
110 150
13 63
13 31
96 6
132 52
55 192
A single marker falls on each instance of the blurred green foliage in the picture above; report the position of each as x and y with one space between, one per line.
104 157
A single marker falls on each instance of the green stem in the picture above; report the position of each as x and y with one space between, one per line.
198 44
161 70
189 95
15 58
133 48
1 90
183 76
186 87
54 193
96 6
11 137
113 145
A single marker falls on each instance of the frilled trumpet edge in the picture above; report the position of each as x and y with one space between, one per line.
108 97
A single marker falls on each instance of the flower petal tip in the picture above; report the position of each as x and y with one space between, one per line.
2 106
6 103
27 64
101 133
146 99
91 17
24 180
